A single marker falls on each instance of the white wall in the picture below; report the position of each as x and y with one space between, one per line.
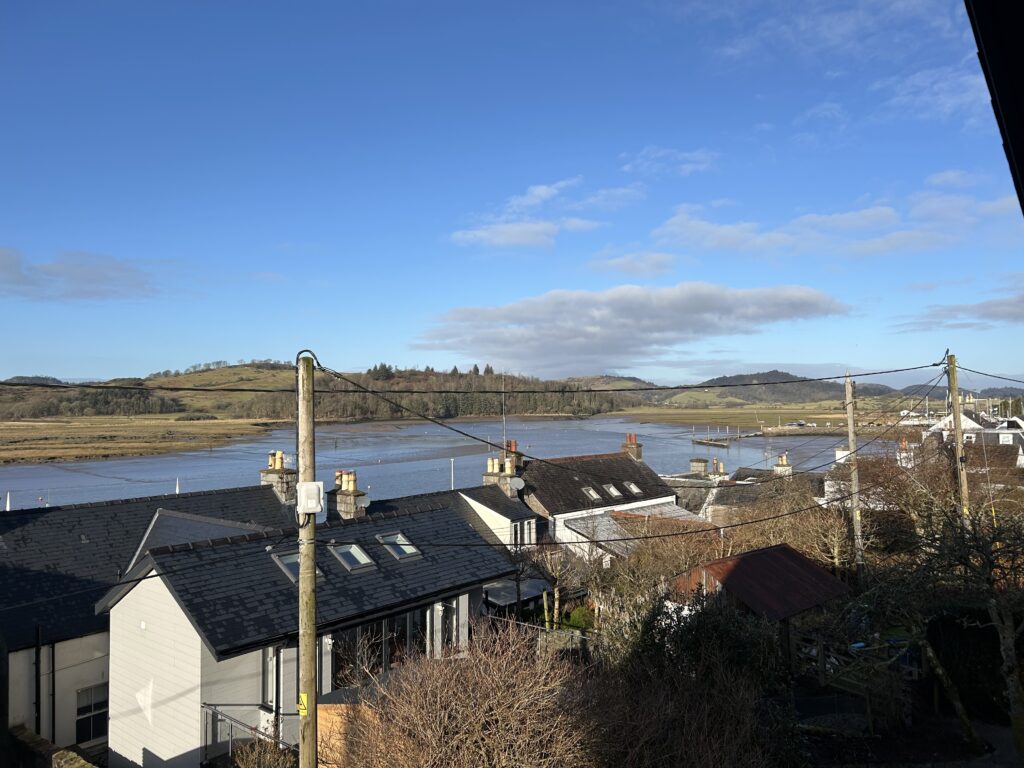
155 667
80 662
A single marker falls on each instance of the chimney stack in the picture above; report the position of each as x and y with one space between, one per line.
343 500
284 481
502 471
511 450
632 447
783 468
699 467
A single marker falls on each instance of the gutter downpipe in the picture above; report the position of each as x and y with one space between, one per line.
53 692
39 680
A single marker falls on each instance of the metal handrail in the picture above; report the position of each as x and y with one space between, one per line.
217 712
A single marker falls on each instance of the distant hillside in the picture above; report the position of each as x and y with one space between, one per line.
617 382
762 388
333 402
32 380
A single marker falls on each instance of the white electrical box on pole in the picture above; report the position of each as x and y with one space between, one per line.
309 505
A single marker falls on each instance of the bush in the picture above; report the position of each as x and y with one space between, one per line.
196 417
501 704
582 617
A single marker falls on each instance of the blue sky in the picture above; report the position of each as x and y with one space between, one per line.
672 190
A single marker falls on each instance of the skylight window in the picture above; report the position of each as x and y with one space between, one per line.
289 563
615 492
591 493
398 545
353 557
633 488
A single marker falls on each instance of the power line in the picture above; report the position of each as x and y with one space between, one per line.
992 375
361 390
562 467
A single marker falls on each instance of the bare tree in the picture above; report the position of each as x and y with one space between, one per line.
500 704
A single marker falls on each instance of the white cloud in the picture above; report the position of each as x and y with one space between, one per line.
566 331
938 93
640 264
928 219
826 111
73 275
687 228
865 218
655 161
517 223
537 194
1007 309
611 198
953 178
513 233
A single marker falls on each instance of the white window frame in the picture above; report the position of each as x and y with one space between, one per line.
632 487
92 712
284 567
268 678
591 494
365 563
613 491
398 545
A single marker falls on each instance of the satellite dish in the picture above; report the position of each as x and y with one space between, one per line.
517 483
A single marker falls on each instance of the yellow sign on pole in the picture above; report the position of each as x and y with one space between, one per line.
303 705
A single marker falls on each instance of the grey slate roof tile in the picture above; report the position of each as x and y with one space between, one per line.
239 599
47 564
558 483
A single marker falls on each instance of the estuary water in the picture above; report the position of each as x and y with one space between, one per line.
396 459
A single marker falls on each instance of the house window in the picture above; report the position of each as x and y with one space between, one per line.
268 683
91 722
633 488
398 545
528 535
289 562
353 557
615 492
591 493
515 534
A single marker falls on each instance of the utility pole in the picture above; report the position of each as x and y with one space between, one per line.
858 539
306 704
958 435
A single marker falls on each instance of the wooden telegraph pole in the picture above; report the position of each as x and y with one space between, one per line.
858 539
958 435
307 575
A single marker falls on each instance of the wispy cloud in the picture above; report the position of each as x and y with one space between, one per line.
520 222
537 194
951 92
611 198
1006 309
639 264
564 331
512 233
954 178
74 275
926 219
659 161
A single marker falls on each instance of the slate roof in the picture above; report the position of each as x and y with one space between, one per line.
558 483
59 560
775 582
239 599
169 526
492 497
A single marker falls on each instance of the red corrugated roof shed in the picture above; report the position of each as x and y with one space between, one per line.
776 582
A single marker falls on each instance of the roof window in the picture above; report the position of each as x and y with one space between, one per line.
615 492
289 563
353 557
633 488
591 493
398 545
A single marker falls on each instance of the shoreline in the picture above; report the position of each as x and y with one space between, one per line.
60 440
